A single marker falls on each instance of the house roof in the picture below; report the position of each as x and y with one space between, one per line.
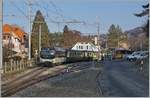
17 31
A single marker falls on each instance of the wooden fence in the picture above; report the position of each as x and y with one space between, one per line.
13 66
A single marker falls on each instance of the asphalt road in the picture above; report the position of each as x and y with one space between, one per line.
120 79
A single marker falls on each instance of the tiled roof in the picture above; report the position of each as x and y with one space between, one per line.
16 30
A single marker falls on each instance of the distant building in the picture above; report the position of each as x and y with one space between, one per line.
14 38
85 47
124 45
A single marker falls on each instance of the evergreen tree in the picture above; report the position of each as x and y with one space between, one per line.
145 12
66 30
112 37
45 34
116 36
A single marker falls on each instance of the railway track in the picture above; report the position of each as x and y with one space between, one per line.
77 67
14 86
34 77
11 88
21 76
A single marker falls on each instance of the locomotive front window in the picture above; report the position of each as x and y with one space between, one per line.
46 55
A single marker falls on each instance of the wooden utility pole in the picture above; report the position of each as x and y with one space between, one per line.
1 34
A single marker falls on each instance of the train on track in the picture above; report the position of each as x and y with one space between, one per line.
57 55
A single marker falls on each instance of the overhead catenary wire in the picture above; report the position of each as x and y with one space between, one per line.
19 9
48 19
56 8
46 9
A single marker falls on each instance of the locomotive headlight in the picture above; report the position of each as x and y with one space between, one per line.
52 52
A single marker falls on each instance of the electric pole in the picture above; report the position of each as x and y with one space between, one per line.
141 45
98 37
40 31
58 24
30 26
106 42
98 34
1 34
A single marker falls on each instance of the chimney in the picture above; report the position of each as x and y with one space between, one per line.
95 40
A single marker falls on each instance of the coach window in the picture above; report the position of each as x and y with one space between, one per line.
81 47
87 47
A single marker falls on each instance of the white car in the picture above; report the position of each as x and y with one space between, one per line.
143 55
139 55
133 56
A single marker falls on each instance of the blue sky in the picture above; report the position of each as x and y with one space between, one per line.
106 12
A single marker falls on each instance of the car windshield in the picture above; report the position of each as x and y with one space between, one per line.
144 54
136 53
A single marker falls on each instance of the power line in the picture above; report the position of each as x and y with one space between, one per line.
20 10
56 8
47 9
47 17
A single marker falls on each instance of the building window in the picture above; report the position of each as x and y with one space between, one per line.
8 37
77 47
4 37
81 47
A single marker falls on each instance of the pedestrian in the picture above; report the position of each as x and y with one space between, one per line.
102 58
67 69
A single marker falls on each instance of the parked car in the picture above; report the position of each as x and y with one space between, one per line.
142 55
133 56
138 55
125 56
